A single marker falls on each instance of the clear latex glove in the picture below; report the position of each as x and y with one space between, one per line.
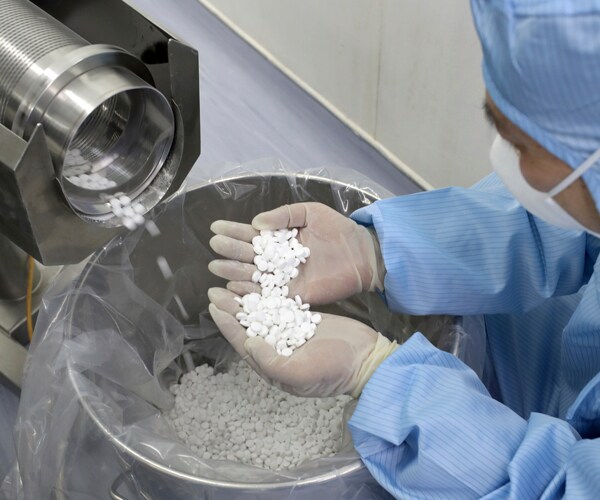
339 359
345 257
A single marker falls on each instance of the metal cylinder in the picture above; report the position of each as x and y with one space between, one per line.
108 129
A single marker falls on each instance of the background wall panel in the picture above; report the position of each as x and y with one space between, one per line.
406 73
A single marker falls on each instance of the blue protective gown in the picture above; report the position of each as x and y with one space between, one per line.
426 426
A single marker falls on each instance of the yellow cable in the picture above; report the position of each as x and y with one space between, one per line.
30 273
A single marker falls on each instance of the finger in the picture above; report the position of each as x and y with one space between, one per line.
224 300
236 230
243 287
287 216
232 270
231 248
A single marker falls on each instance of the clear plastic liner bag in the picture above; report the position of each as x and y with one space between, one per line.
109 343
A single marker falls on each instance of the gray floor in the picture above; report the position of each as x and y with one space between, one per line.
249 110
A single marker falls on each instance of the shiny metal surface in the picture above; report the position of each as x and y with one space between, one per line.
13 320
100 113
13 271
68 107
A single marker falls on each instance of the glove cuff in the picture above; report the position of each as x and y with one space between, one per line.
383 348
370 267
377 264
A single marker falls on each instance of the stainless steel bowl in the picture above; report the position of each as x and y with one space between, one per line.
238 198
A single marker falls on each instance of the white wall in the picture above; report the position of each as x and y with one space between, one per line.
406 72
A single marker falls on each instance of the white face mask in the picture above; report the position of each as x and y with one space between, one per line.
505 161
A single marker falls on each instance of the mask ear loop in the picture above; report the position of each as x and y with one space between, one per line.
575 174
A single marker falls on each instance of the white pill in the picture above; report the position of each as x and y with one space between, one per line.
117 211
114 202
129 224
261 264
298 317
287 351
179 302
241 315
138 219
285 291
152 228
255 326
271 340
128 211
257 250
260 316
294 273
256 275
238 300
305 328
287 315
271 302
125 200
298 300
269 252
316 318
139 208
164 267
275 317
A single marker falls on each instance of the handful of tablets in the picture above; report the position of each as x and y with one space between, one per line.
285 323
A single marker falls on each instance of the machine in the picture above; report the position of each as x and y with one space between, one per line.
88 89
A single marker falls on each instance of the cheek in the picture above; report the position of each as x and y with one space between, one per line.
541 175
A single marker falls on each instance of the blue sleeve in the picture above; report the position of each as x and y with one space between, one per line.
426 427
472 251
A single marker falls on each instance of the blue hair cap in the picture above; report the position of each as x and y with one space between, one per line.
541 66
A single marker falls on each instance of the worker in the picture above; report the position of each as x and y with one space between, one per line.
522 252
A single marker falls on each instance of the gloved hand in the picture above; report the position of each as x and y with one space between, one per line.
345 257
339 359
